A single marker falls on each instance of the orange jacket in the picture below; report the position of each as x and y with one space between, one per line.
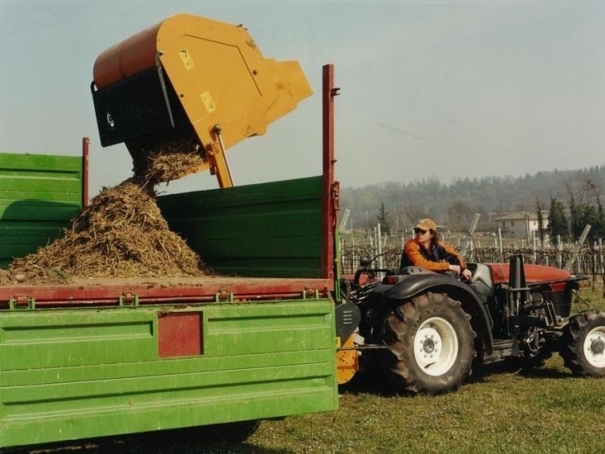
412 251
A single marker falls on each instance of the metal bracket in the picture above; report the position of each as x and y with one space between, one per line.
218 158
163 85
224 296
310 294
22 302
129 299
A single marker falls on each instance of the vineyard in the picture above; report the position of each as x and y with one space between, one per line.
582 260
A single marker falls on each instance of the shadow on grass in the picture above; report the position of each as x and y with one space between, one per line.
513 367
167 442
372 382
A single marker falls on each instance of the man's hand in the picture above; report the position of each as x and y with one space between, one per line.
465 274
455 269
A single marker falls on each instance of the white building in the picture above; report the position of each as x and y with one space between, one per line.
521 225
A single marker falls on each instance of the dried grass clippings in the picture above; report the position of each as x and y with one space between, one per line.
122 233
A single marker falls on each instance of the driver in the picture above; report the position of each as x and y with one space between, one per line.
427 251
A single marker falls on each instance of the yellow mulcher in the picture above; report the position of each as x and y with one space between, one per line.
191 83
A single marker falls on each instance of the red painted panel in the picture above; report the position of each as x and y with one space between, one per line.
180 334
107 292
330 186
533 273
558 287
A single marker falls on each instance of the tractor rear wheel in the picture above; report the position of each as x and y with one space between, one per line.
430 342
583 344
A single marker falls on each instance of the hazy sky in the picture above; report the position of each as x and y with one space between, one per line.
446 89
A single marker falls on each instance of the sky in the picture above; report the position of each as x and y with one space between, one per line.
428 89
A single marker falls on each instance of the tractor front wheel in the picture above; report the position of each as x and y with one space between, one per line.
583 344
430 342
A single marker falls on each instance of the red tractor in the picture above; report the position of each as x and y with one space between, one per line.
425 330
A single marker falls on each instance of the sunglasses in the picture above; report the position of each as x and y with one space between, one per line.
419 231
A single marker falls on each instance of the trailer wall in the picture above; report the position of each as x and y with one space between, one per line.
39 194
262 230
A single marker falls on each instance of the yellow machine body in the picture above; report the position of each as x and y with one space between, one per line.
347 361
212 78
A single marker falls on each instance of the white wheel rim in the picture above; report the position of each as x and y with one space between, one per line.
436 346
594 346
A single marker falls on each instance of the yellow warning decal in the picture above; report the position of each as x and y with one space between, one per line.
208 101
338 342
187 60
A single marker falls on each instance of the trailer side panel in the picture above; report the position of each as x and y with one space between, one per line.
73 374
262 230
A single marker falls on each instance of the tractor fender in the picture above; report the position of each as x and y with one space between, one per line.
415 284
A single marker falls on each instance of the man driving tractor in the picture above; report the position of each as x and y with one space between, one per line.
426 250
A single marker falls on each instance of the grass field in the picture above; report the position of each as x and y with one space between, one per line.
497 410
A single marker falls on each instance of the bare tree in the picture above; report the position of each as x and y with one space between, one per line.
459 215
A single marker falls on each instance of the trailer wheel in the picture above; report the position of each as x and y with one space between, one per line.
583 347
430 343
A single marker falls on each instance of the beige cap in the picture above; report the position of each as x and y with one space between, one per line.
426 224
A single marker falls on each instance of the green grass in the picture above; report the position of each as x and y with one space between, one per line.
591 296
497 410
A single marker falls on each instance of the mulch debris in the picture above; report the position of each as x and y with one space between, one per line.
122 232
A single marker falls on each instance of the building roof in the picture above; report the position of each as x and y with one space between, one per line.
519 216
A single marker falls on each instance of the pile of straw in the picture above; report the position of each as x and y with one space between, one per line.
120 234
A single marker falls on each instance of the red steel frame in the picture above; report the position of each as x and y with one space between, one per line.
331 188
108 292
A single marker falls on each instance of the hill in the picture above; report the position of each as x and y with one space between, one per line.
454 204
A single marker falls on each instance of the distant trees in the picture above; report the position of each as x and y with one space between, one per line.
413 211
599 225
541 228
558 225
585 208
459 215
383 219
575 196
576 216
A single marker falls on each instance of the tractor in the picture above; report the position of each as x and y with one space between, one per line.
426 330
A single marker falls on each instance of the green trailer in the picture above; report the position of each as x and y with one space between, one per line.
107 357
